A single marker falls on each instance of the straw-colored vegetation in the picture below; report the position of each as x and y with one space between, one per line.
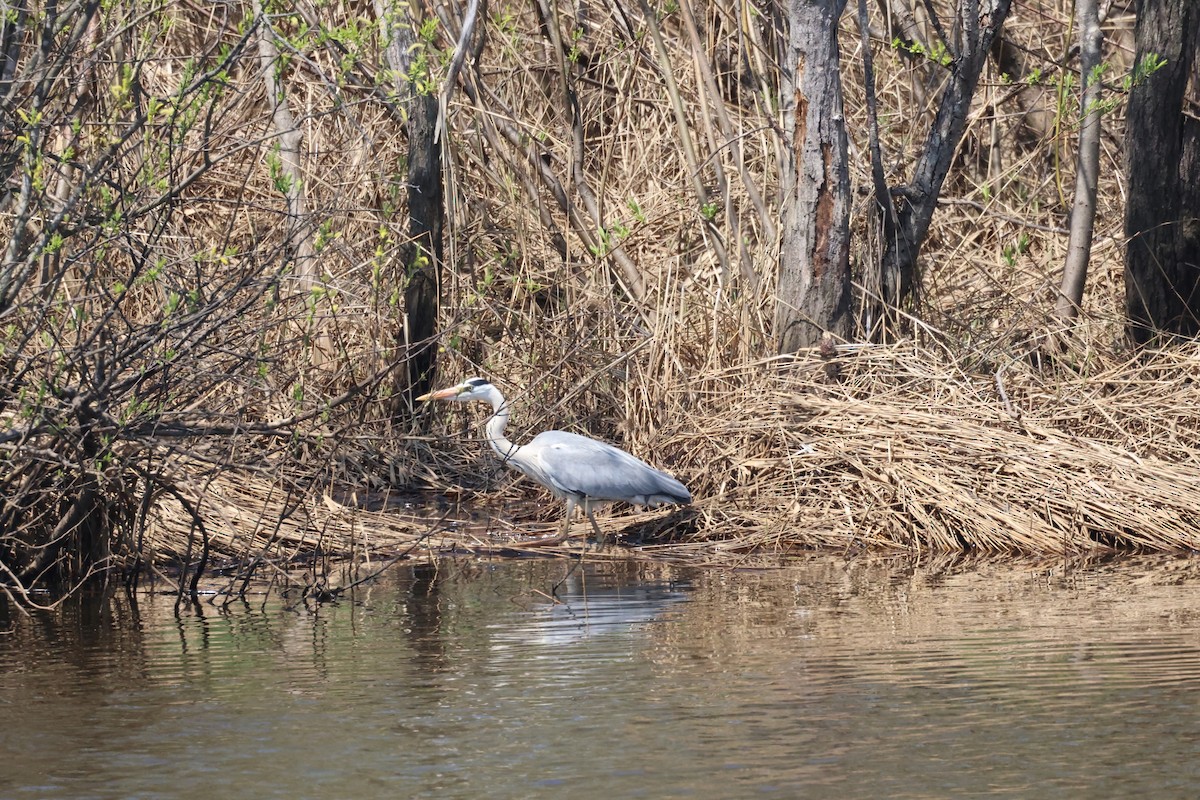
209 354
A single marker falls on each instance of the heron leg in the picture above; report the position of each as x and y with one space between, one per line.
601 539
566 528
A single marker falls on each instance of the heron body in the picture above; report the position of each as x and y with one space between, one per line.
579 470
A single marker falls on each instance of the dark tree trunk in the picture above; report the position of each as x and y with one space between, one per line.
423 255
1162 146
814 265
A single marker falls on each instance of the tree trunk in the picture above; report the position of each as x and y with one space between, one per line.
422 254
289 180
1087 166
1162 146
814 265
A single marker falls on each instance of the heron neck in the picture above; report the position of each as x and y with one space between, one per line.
495 427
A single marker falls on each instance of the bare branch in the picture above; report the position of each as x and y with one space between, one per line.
1087 165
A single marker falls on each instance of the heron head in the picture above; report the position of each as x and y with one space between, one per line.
470 389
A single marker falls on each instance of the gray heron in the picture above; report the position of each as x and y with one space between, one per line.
582 471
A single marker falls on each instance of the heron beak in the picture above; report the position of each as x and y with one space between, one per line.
442 394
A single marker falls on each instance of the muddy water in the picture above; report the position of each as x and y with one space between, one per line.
836 679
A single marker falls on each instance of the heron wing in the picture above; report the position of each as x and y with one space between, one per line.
575 465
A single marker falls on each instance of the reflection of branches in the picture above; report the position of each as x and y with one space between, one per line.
323 593
23 599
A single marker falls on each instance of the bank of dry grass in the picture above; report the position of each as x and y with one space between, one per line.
981 427
228 392
901 448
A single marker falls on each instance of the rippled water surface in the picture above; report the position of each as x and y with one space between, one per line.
832 678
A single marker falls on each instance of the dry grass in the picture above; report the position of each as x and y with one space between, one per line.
913 445
902 451
909 445
910 453
917 446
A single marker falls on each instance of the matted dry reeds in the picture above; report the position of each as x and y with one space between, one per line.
900 450
909 453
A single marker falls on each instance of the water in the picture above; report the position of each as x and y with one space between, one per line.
839 679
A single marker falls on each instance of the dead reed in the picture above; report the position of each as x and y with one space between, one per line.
904 449
980 429
909 451
177 365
